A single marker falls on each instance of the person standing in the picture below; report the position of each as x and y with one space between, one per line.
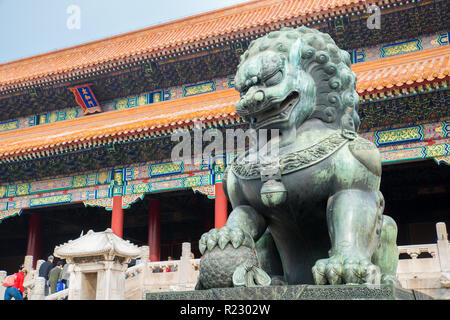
44 271
168 269
16 290
53 276
64 276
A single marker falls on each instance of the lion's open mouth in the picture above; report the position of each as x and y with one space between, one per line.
279 113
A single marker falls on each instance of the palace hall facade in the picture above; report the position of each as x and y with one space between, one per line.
85 132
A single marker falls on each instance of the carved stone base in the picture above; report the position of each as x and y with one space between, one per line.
295 292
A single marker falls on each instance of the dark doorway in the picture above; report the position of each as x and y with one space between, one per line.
59 224
185 216
417 197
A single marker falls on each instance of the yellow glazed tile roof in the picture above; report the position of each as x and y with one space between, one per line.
403 70
159 38
396 72
109 125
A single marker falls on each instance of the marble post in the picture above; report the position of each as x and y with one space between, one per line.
3 275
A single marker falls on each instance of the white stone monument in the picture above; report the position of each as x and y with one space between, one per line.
98 261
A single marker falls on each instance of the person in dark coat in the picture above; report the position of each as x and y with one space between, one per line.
44 270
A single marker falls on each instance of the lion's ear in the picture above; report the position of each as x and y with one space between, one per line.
348 123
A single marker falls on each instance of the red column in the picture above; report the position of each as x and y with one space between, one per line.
117 216
154 228
34 239
221 207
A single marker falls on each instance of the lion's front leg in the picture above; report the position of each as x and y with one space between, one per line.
229 257
354 223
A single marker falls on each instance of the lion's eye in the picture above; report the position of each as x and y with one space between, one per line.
274 79
243 91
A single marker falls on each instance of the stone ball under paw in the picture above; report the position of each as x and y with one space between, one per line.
217 266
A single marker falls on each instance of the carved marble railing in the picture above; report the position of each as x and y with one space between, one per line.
60 295
33 285
430 275
144 277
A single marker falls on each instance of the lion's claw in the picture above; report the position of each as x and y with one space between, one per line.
390 279
222 237
337 270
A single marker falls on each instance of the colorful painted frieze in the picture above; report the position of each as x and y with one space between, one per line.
443 38
403 135
399 47
198 181
170 182
207 190
403 47
439 149
79 181
443 160
9 125
54 197
9 213
45 201
60 115
204 87
104 177
53 184
107 203
401 155
163 169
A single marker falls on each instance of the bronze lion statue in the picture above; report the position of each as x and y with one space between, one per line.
314 213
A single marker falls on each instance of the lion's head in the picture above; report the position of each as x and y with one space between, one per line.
289 76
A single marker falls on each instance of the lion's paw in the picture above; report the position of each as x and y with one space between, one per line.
221 237
390 279
345 270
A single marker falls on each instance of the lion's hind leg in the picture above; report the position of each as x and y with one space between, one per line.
386 253
354 222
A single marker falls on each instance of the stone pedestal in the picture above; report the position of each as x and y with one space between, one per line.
38 292
295 292
97 280
98 261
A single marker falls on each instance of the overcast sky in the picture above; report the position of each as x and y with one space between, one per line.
30 27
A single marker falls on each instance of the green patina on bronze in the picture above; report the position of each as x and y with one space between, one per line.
314 213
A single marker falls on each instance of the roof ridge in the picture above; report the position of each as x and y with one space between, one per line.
163 37
136 32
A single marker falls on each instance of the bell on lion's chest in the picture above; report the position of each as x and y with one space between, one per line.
273 193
